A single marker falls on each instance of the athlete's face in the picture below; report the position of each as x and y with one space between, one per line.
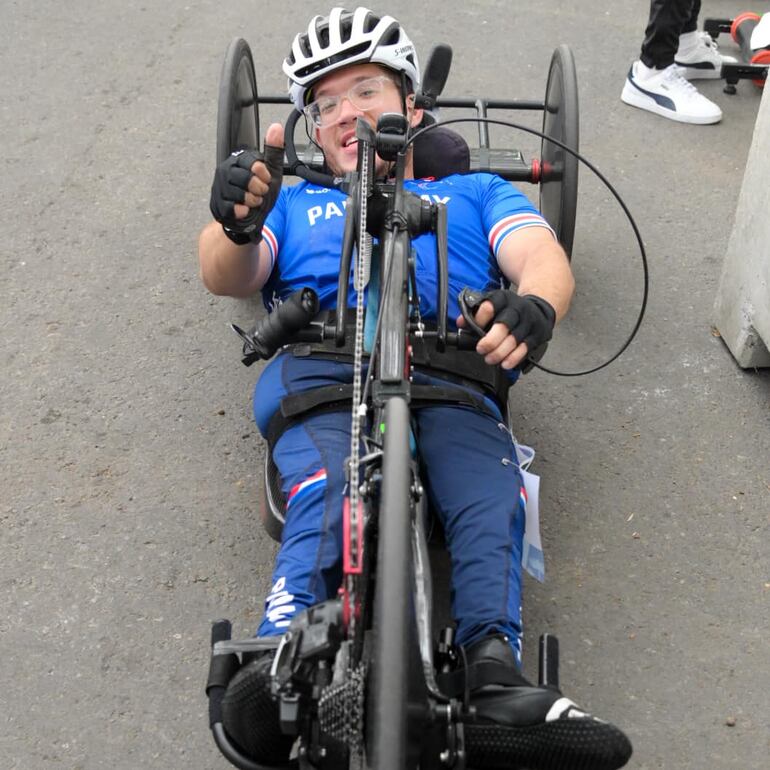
338 139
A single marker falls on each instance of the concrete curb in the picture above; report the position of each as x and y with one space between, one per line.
742 308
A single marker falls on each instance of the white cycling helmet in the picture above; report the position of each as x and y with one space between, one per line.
343 38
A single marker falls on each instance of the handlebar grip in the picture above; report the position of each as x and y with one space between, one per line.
292 315
221 631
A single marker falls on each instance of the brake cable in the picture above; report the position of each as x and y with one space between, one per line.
326 180
616 195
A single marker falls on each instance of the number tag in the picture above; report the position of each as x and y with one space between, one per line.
532 549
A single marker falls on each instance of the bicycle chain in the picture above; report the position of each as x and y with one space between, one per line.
352 703
363 267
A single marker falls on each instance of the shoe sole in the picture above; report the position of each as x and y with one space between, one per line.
636 99
565 744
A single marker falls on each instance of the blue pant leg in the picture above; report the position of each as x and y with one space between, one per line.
310 458
469 465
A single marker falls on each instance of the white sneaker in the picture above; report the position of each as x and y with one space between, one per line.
667 93
698 56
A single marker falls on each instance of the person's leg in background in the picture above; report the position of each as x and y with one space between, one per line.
697 55
668 18
692 23
656 82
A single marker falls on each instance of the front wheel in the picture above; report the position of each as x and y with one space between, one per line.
388 696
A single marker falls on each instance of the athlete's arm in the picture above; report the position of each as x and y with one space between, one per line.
532 260
227 267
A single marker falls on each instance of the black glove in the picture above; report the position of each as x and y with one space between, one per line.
231 183
529 318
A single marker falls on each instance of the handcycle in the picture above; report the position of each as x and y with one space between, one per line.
357 677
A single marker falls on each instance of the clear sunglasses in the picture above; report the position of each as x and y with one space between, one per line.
364 95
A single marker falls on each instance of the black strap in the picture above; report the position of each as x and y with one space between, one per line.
309 400
337 398
467 367
330 398
478 675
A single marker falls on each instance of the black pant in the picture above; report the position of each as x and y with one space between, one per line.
668 20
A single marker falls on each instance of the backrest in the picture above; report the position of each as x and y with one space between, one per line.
440 152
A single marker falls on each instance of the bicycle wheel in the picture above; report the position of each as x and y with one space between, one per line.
238 109
559 185
388 695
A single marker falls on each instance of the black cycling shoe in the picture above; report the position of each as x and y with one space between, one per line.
250 714
518 725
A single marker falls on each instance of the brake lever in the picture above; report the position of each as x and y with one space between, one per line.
469 301
249 352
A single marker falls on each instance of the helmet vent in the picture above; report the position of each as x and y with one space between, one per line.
305 46
348 53
392 35
370 22
346 28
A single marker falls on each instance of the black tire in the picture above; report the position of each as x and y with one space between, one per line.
559 174
273 501
238 108
386 709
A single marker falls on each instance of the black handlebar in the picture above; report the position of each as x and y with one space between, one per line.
292 322
293 315
391 214
295 166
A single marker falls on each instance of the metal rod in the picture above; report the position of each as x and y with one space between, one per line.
459 102
548 675
492 104
481 110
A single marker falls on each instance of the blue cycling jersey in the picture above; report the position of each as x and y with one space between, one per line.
477 496
304 235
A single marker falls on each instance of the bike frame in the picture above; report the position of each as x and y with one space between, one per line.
398 640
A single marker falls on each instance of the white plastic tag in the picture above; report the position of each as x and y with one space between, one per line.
532 558
532 549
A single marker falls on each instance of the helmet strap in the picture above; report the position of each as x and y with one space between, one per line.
404 90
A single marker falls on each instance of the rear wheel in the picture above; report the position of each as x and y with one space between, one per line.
559 180
238 110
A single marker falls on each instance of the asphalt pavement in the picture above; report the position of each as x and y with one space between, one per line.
129 463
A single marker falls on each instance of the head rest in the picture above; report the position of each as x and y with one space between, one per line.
440 152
